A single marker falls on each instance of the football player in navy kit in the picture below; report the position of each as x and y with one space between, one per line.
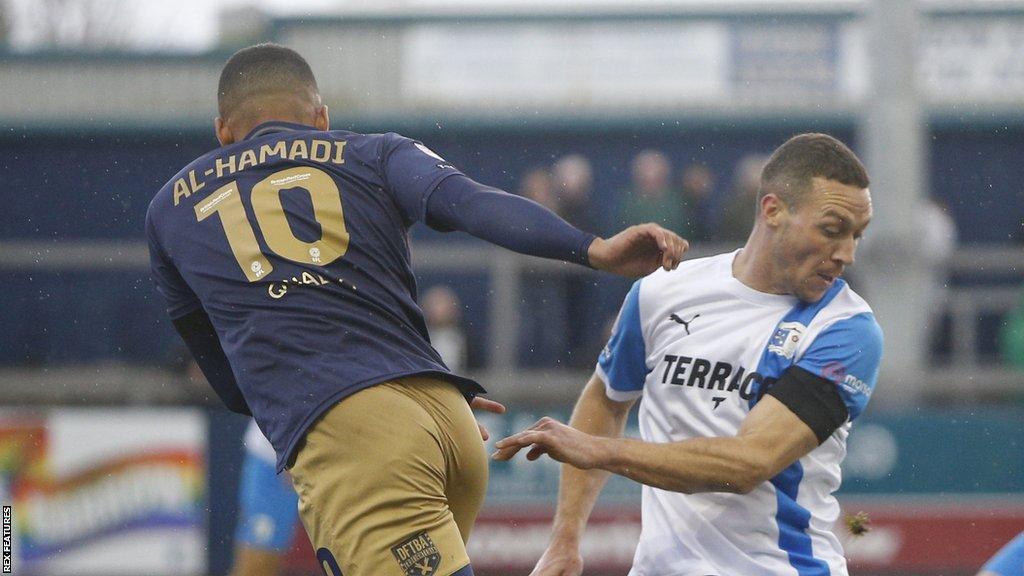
284 260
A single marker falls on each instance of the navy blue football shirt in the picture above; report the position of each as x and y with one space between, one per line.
295 242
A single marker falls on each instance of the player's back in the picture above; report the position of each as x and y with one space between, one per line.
295 242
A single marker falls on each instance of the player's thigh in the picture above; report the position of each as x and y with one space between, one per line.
268 507
371 481
465 457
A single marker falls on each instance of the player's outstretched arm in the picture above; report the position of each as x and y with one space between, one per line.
521 225
770 439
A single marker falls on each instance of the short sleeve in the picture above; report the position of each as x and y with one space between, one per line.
412 172
848 354
178 297
622 364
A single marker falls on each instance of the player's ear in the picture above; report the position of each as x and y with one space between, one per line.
323 119
772 208
224 135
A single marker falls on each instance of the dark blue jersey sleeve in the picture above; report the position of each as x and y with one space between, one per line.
201 338
513 222
412 172
178 297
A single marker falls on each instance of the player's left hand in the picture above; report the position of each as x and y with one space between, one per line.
559 441
638 250
478 403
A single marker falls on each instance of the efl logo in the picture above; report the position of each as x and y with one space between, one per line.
7 539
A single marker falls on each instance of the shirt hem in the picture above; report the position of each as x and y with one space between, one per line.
614 394
464 385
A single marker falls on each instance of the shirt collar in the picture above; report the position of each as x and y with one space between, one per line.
275 126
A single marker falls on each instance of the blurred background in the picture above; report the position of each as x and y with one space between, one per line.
117 461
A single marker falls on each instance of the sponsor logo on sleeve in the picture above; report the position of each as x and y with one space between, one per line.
836 372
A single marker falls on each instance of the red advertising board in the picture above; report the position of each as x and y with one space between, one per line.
934 535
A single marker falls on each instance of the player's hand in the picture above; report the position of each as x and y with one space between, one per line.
637 251
560 442
559 560
478 403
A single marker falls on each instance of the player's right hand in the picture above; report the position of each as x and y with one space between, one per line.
559 561
638 250
479 403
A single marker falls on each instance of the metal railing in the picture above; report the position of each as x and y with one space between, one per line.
967 375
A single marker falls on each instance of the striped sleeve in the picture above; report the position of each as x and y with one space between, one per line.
622 364
848 354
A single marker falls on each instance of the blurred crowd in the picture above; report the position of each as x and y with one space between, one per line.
687 201
567 317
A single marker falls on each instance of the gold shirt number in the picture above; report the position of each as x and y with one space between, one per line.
266 204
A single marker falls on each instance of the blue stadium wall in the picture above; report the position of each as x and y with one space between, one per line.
64 186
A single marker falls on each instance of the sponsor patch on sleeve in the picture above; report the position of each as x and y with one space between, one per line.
417 556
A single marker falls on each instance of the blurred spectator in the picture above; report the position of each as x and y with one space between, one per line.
536 184
574 180
939 233
1011 339
651 198
697 185
543 308
741 204
939 238
443 313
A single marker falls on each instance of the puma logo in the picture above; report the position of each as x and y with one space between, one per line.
685 323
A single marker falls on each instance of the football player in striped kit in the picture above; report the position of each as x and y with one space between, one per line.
751 366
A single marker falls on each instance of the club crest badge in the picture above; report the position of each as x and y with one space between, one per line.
417 556
786 339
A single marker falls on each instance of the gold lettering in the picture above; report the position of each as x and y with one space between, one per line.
279 149
298 151
196 186
225 167
247 160
180 190
308 278
320 150
339 151
276 292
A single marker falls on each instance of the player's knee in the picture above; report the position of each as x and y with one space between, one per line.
467 571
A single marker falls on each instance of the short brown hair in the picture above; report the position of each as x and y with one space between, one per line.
260 71
791 167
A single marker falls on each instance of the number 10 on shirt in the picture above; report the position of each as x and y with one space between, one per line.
270 217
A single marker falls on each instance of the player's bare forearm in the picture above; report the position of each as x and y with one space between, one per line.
578 489
699 465
771 438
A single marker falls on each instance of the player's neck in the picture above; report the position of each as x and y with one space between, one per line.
251 125
754 265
